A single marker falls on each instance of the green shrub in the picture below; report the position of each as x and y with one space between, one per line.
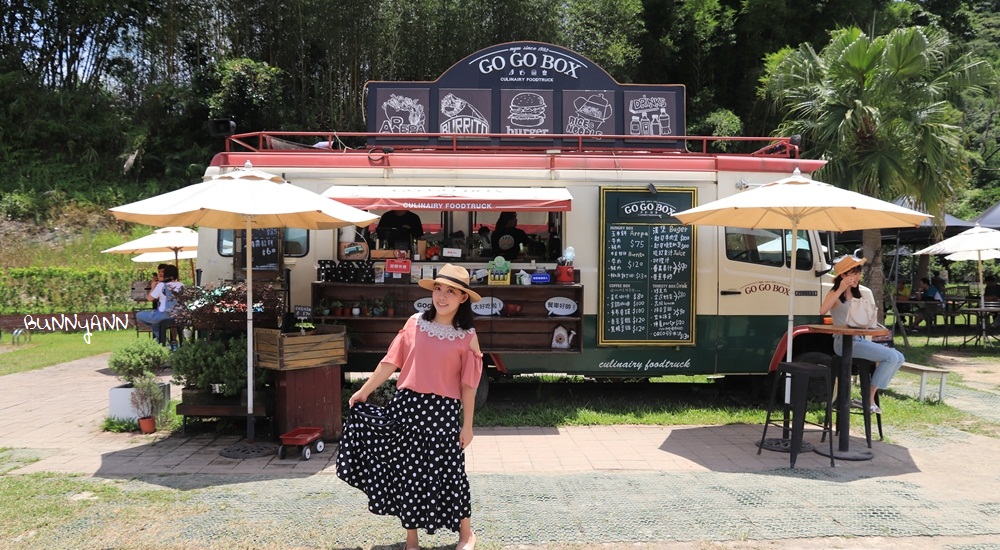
137 358
202 363
40 290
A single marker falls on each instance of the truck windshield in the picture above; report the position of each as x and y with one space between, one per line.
769 247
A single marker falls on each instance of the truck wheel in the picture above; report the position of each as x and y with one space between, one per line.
483 391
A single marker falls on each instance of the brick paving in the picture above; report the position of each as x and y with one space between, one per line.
534 486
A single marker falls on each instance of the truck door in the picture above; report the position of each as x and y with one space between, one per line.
754 277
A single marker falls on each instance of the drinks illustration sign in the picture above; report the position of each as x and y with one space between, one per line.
531 89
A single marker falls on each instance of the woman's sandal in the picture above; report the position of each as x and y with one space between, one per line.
469 544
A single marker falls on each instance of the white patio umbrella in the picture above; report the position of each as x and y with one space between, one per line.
979 243
244 199
799 202
160 257
165 239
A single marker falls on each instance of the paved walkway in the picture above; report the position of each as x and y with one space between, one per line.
535 486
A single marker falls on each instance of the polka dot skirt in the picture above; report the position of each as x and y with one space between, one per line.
406 457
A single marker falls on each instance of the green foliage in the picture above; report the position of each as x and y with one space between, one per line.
58 289
250 92
194 363
147 396
140 357
204 362
120 425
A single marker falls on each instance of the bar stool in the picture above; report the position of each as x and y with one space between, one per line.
863 368
801 374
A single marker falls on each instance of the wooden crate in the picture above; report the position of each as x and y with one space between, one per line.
322 347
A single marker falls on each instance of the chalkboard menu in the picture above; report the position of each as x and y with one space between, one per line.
647 285
266 248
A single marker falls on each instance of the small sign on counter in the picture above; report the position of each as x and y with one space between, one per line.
303 312
398 266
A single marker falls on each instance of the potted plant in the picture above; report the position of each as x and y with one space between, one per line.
303 326
130 363
147 400
366 307
356 309
193 366
337 308
390 300
378 307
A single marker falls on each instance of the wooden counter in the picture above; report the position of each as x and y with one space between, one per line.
531 331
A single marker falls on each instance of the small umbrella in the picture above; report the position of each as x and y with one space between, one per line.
161 257
799 202
165 239
244 199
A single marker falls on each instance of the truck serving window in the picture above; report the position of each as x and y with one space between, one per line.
295 242
769 247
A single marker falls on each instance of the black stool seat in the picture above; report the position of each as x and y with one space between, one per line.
801 373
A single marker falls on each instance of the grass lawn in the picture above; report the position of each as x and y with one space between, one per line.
51 348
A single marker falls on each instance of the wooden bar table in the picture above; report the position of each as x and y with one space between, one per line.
843 450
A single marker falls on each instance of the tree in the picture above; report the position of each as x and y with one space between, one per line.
883 112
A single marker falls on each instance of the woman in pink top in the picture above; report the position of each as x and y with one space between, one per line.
408 457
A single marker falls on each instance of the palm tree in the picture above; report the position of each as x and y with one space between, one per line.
882 111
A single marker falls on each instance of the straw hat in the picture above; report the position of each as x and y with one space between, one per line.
846 264
453 276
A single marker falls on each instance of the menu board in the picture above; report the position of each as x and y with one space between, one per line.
266 249
647 285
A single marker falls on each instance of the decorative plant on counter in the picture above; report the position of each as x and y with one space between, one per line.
224 305
391 301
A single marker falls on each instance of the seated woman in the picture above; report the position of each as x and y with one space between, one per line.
165 293
847 287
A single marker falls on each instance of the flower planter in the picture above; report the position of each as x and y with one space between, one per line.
197 396
324 346
147 424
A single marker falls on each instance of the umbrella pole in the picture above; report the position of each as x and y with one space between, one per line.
249 254
791 289
982 295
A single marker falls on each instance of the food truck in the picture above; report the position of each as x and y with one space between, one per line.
607 283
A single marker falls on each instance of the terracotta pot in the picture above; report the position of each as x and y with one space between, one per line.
147 424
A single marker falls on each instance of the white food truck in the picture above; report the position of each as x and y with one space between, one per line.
585 163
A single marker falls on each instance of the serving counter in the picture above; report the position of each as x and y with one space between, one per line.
519 318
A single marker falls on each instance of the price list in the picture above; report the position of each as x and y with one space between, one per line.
266 248
647 286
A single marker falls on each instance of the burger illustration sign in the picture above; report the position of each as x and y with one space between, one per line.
530 89
527 111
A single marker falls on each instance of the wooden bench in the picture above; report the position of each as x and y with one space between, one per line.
923 371
217 411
